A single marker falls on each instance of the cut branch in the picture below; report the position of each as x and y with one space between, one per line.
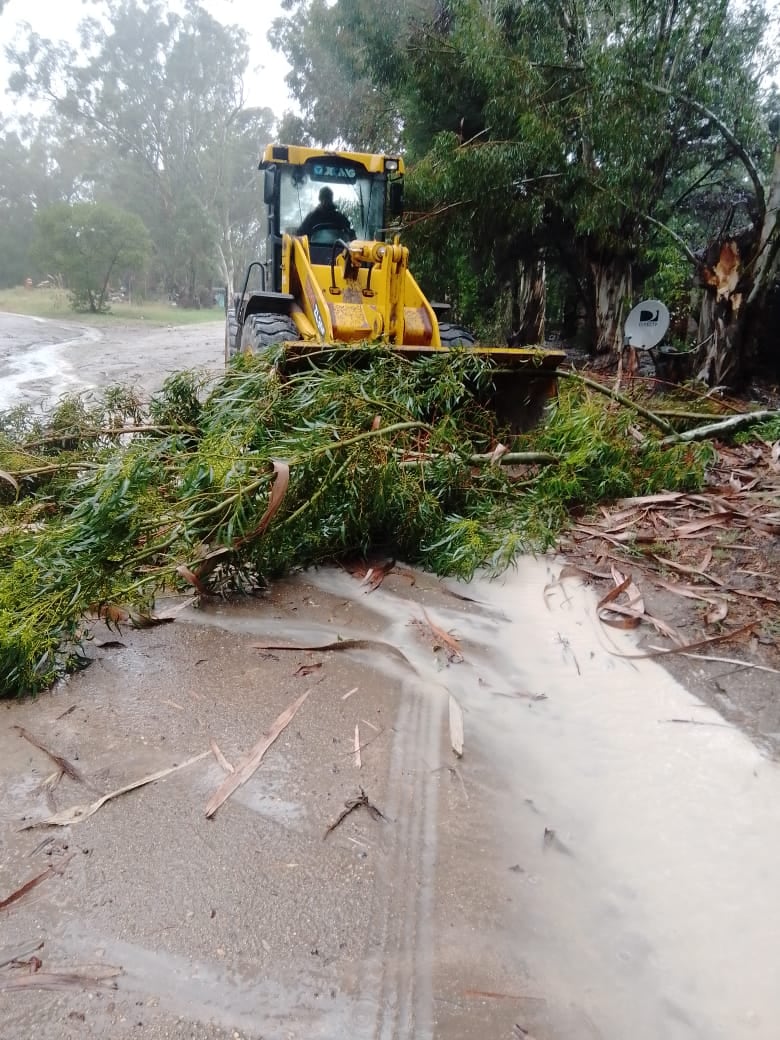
725 426
651 417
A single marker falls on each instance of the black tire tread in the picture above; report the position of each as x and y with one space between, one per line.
231 335
264 330
455 336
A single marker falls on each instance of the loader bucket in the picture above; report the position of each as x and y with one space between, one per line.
524 378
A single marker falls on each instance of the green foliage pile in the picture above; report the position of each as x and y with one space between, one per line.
378 455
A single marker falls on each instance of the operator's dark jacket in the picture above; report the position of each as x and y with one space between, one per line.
326 215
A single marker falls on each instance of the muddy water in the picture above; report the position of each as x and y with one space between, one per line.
638 831
42 359
36 359
589 868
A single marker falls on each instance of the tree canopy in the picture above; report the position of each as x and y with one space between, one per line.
159 97
88 244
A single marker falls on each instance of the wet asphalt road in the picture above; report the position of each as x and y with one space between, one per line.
586 869
41 359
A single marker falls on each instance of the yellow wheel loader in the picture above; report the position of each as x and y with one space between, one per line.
333 276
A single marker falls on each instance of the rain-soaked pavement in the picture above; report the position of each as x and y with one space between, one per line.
600 863
41 359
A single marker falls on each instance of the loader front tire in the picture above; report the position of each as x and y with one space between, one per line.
262 331
455 336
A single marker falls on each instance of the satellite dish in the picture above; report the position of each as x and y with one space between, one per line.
646 325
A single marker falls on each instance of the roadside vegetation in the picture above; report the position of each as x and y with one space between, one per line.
55 303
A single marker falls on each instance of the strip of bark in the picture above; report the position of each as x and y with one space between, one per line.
452 645
13 954
344 644
247 767
223 762
456 727
77 813
60 761
101 979
724 637
28 886
358 760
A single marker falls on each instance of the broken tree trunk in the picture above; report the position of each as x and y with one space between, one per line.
737 272
724 278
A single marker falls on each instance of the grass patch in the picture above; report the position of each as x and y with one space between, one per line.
55 304
379 455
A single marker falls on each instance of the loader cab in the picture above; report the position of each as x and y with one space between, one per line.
367 191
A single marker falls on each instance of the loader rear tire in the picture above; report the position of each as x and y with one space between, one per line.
231 335
262 331
455 336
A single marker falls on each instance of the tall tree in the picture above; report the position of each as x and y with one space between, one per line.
342 75
557 130
42 162
163 93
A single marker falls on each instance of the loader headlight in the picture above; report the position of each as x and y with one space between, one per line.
391 165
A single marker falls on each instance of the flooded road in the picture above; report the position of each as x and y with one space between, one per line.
34 358
600 863
591 867
42 359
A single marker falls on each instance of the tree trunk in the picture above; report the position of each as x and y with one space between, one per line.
737 274
226 269
611 285
528 303
724 315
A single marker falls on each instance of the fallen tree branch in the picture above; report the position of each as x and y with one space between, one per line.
351 805
42 471
651 417
510 458
76 434
724 426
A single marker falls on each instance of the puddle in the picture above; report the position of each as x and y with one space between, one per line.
208 993
33 370
647 848
615 866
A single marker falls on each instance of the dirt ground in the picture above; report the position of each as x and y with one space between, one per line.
599 863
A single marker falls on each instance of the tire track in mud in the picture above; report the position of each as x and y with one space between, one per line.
396 1000
395 995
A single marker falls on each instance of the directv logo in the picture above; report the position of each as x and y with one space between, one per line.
648 318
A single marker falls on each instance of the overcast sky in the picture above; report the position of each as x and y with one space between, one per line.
58 20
